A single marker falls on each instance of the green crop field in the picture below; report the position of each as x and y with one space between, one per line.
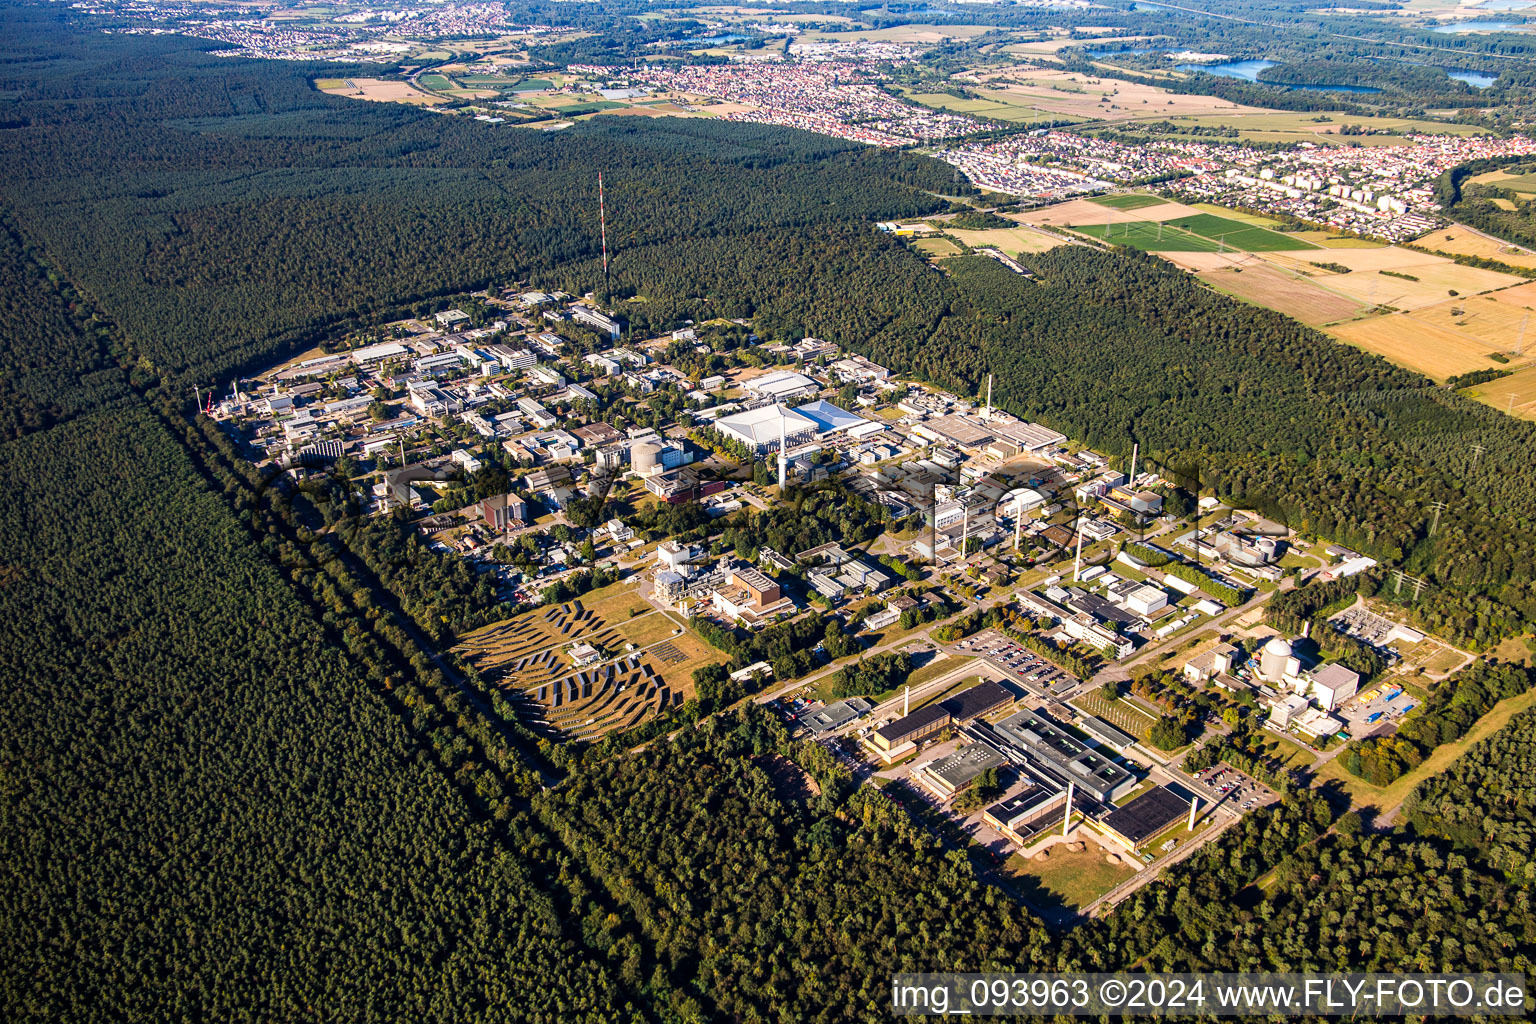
572 110
437 83
1130 201
1149 236
1202 232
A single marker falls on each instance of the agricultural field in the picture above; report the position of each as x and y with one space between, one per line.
1202 232
994 106
1321 128
649 661
1460 241
1429 279
1293 294
1132 201
1090 98
1515 394
900 34
379 90
437 82
1012 241
1087 211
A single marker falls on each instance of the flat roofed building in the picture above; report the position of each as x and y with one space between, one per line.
957 772
1048 745
760 429
501 511
585 654
781 385
979 700
1332 685
829 419
1144 818
965 431
920 723
837 714
1022 815
1030 437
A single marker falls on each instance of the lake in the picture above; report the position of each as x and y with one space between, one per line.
1462 27
1476 79
1248 71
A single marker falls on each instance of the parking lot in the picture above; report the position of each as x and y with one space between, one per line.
1221 783
1021 665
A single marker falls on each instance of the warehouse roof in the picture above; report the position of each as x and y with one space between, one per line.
829 418
763 425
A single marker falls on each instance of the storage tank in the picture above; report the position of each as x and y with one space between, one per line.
645 457
1274 658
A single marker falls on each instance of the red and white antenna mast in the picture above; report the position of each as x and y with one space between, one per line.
602 219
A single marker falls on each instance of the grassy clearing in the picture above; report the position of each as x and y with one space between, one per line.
1131 201
436 82
1076 879
1203 232
939 248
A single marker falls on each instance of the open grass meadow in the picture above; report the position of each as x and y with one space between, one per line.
1202 232
1129 201
1074 877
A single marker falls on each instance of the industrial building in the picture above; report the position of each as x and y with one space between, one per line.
957 772
829 418
1144 818
761 429
503 511
750 597
899 737
840 713
1330 685
781 386
981 699
1028 738
1026 814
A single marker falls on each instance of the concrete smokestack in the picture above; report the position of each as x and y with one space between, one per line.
1066 821
1194 805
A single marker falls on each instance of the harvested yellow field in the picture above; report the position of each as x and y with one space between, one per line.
1410 341
1012 241
1077 95
1434 278
1515 394
383 91
1460 241
1272 288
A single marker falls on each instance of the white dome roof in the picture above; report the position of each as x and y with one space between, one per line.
1279 646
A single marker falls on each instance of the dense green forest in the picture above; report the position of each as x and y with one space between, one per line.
1486 800
211 810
